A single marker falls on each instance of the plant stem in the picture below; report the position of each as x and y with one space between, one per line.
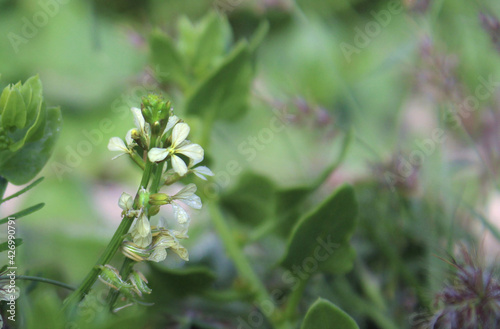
237 256
92 276
293 301
128 264
110 250
44 280
27 188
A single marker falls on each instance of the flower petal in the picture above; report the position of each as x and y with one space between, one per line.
185 192
158 255
179 133
157 154
138 119
178 165
117 144
125 201
128 138
202 171
141 232
192 151
172 121
179 213
194 201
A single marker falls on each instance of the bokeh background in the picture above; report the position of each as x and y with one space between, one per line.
392 73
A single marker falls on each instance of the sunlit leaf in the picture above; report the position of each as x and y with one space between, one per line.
325 315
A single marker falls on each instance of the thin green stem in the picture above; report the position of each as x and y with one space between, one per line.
294 300
92 276
44 280
156 171
237 256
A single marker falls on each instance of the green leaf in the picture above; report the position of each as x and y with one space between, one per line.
5 246
24 164
14 111
252 200
23 213
182 281
325 315
211 43
259 35
32 95
323 235
224 93
24 190
166 59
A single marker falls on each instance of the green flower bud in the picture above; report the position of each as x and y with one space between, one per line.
139 282
159 199
156 111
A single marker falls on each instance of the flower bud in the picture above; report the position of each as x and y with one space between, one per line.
159 199
139 282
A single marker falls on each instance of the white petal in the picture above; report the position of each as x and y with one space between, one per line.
119 155
186 192
172 120
128 138
117 144
125 201
178 165
194 201
181 252
141 232
193 151
179 133
162 222
138 119
181 215
157 154
202 171
158 255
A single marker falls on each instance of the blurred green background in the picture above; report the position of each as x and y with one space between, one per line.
389 76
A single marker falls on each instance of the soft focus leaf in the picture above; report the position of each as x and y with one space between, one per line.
325 315
323 234
180 282
166 59
14 112
224 93
23 165
252 200
5 245
23 213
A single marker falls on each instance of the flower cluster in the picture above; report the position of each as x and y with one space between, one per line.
159 145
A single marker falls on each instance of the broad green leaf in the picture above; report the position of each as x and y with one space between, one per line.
320 240
325 315
290 202
14 112
167 61
224 93
23 165
181 282
5 246
252 200
211 44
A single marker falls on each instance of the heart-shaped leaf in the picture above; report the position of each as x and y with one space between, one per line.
320 240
